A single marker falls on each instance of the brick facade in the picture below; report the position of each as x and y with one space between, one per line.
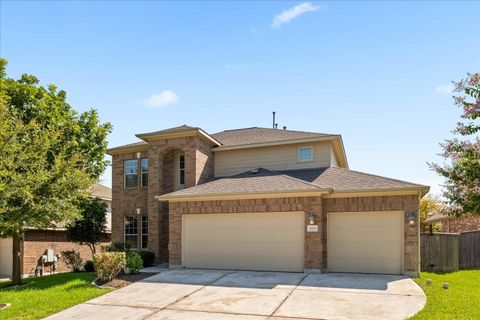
36 242
160 153
165 218
466 223
315 243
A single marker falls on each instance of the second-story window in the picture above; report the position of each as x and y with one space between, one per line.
131 173
144 171
181 166
305 154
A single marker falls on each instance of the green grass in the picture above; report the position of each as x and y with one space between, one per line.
460 301
43 296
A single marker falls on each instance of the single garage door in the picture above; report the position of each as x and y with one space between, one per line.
365 242
244 241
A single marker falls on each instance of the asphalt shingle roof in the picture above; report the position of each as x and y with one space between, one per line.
101 191
262 135
261 181
238 137
338 179
181 128
341 179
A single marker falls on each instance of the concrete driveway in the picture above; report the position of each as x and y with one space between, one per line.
242 295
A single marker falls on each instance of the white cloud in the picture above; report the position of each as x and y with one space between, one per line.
159 100
445 88
290 14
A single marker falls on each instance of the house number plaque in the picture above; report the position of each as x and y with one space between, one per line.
312 228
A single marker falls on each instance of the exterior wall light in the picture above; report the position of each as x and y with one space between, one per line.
311 218
411 218
138 211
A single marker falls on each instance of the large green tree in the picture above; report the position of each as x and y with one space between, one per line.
49 156
462 154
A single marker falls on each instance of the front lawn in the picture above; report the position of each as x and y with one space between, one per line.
43 296
460 301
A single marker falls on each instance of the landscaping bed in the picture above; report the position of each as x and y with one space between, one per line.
460 301
123 280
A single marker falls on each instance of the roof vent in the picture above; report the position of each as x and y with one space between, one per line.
254 171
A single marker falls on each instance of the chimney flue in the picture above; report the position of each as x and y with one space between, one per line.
273 123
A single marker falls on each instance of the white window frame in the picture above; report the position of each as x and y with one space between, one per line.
125 174
130 234
180 170
299 152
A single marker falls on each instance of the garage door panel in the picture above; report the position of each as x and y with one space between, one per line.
369 242
347 237
253 241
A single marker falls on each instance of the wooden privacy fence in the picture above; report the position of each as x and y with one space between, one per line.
447 252
439 252
469 249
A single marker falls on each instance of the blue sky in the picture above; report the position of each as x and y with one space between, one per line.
376 72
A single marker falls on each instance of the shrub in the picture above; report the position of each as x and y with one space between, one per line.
72 259
134 261
88 266
148 257
108 264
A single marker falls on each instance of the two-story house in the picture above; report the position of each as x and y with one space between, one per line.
261 199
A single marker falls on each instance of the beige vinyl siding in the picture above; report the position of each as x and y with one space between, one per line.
333 160
230 162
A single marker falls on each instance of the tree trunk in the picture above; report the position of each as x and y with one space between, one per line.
17 259
92 248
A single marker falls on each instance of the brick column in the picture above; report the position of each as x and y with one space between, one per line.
154 189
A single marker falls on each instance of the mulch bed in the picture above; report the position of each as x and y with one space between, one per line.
123 280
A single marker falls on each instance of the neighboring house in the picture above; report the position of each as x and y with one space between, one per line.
36 242
261 199
452 224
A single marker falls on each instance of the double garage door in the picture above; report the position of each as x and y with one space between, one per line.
366 242
244 241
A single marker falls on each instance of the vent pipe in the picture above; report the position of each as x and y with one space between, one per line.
273 124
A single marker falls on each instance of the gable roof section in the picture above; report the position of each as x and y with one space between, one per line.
261 137
315 181
237 139
180 131
175 132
